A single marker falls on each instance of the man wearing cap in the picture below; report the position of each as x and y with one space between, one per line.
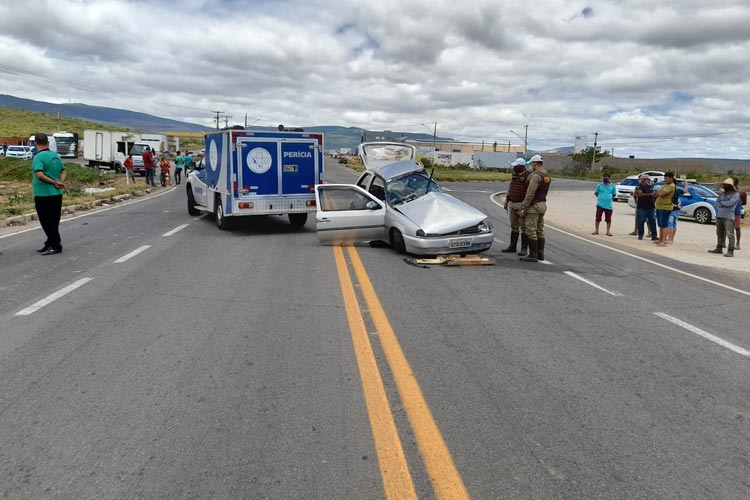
725 205
645 208
533 208
516 194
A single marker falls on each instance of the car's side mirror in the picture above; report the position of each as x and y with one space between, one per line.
372 205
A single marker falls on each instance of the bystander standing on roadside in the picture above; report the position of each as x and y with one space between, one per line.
178 162
148 166
738 212
165 167
188 159
516 194
533 208
664 207
645 211
128 164
726 204
5 148
47 185
605 193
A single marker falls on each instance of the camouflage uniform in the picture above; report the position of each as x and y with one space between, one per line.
535 206
516 193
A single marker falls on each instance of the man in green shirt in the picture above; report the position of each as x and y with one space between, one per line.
47 185
664 207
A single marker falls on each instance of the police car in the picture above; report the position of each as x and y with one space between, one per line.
700 205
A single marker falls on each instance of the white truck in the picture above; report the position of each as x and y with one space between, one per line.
160 142
107 150
249 172
67 144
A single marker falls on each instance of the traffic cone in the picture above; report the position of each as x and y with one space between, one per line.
167 179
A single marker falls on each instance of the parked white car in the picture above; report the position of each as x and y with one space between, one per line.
626 187
396 200
22 152
654 175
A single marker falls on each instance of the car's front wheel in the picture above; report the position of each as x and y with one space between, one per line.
702 215
397 240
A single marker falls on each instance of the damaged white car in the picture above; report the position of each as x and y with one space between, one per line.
397 201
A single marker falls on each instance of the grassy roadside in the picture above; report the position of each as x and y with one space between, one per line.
449 174
15 186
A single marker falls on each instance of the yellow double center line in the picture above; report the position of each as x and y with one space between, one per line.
397 481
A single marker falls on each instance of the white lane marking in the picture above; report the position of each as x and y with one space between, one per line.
201 216
178 228
51 298
546 262
581 278
119 205
499 242
132 254
704 334
638 257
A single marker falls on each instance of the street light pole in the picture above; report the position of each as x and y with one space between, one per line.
593 156
525 139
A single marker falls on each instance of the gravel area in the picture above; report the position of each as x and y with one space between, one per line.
574 211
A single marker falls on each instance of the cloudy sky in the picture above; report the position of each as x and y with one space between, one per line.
654 79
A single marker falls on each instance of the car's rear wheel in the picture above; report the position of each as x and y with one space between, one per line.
221 221
191 202
297 220
397 240
702 215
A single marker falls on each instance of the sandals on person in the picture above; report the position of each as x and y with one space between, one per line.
632 234
595 233
609 234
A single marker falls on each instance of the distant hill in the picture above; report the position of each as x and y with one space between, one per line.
112 116
94 116
22 123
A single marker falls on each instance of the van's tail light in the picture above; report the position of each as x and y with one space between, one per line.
245 204
310 203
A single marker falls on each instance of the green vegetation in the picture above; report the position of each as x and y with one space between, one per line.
458 173
15 186
19 122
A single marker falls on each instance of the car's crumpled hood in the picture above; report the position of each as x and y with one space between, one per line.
440 213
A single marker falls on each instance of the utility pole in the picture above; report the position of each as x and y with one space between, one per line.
226 120
434 136
593 156
245 120
525 139
217 113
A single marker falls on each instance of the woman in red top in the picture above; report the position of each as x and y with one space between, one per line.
165 166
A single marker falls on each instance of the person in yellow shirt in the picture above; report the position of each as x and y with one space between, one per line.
664 207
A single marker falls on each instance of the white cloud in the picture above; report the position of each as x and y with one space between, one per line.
625 68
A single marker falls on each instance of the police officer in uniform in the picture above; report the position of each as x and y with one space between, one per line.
516 194
533 208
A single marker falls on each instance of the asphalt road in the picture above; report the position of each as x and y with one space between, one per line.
255 363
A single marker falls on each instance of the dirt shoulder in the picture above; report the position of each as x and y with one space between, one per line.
574 211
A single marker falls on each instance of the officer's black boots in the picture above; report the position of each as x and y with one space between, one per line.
524 244
540 248
513 243
533 248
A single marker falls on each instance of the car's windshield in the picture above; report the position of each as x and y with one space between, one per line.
410 187
629 182
702 191
16 148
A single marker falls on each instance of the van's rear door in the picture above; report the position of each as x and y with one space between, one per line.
272 166
299 166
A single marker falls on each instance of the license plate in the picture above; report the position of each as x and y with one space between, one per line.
460 243
291 168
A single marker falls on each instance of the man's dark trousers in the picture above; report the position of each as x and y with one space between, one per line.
646 215
48 208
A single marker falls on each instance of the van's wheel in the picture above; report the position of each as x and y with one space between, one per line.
397 240
221 221
191 202
297 220
702 216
